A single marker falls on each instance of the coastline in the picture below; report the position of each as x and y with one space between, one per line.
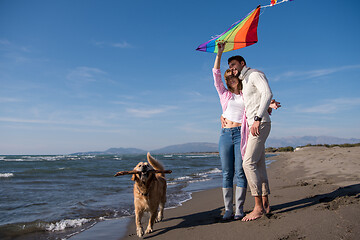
315 194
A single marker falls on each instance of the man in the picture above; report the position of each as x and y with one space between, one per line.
257 97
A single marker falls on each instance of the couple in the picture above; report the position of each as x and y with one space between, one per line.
247 101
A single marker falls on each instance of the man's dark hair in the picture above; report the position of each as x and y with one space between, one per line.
237 58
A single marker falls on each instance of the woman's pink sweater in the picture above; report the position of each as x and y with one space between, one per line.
225 95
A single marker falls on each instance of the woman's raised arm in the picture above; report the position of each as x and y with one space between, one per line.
221 47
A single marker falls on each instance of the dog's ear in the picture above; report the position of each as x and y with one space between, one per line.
149 157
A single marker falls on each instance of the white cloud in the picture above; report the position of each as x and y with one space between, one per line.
18 57
85 74
4 42
332 106
119 102
12 47
312 73
123 44
194 93
9 100
321 109
124 100
146 112
19 120
95 122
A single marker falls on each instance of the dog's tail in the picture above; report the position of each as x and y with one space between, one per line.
155 164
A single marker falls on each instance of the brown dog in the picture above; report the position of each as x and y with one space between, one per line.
149 193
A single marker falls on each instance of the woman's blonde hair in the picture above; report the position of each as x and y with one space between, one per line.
229 75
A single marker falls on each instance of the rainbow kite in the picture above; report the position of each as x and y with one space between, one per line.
241 34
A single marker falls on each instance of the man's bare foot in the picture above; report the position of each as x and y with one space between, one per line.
266 205
252 216
267 209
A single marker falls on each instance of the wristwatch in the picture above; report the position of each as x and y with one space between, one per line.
256 118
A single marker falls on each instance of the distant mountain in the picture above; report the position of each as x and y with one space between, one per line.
189 147
213 147
302 141
180 148
111 151
125 151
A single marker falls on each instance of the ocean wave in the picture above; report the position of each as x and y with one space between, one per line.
196 156
50 158
212 171
177 199
66 223
38 158
196 177
32 158
13 230
200 180
182 178
172 183
6 175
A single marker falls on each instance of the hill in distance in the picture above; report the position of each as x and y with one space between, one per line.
199 147
179 148
302 141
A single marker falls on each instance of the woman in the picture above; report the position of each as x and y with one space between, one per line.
233 108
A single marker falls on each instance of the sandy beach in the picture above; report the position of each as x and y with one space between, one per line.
315 194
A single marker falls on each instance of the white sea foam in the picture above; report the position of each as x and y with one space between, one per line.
196 156
215 170
86 156
198 177
172 183
200 180
183 178
27 158
66 223
14 160
33 158
6 175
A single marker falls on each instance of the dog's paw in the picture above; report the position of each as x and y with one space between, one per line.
149 230
139 232
159 217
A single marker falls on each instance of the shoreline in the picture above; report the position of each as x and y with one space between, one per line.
315 194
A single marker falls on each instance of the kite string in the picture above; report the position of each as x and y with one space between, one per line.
261 13
270 5
216 36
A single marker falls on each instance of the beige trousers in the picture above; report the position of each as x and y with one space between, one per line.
254 162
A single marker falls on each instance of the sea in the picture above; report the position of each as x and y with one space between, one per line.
59 196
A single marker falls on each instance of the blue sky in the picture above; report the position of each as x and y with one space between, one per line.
90 75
